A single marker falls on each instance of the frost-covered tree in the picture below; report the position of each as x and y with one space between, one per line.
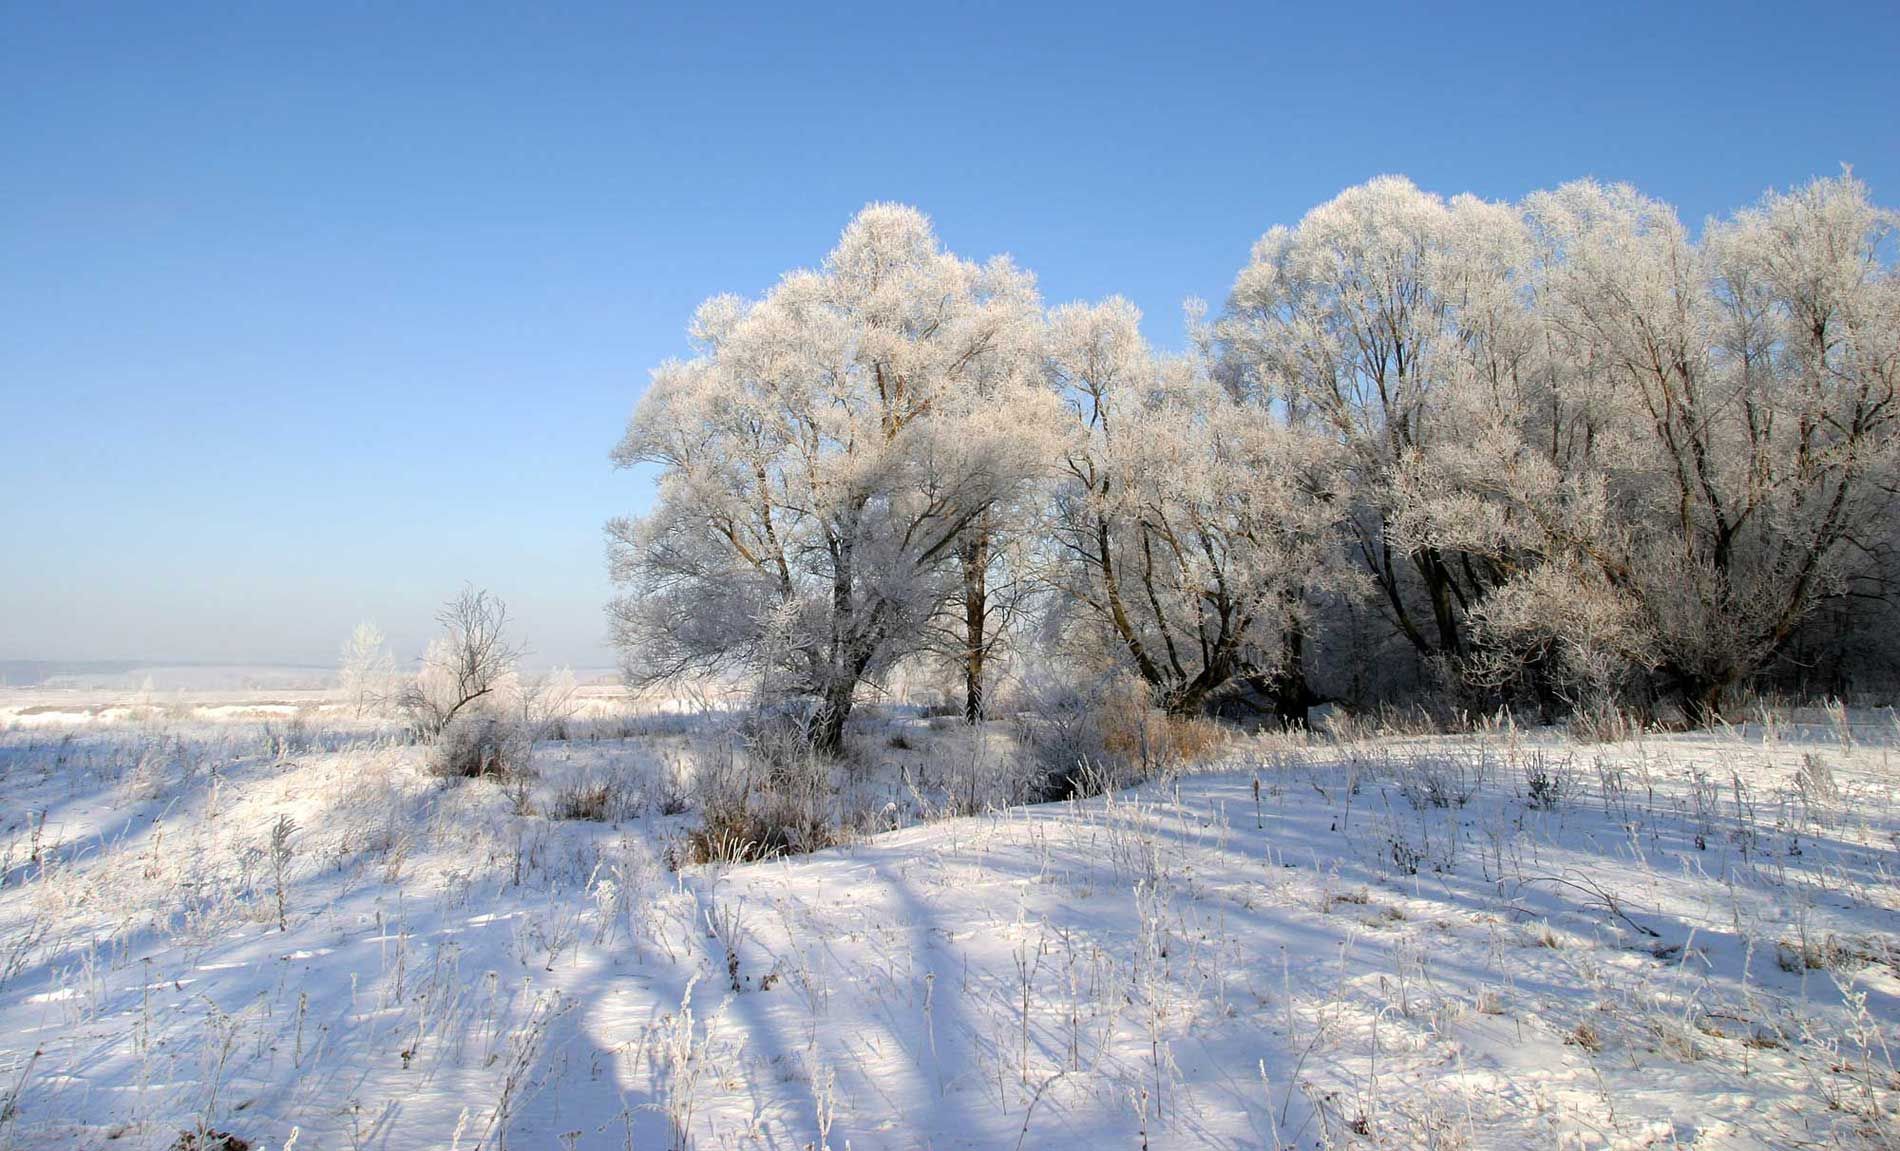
823 457
1377 322
367 670
1702 453
1189 524
1565 448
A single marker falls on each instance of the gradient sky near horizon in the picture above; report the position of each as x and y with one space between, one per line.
311 313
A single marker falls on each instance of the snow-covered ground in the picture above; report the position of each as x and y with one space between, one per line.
1508 940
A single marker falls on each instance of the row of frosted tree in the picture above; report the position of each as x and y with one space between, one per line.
1562 454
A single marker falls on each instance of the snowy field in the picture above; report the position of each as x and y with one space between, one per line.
214 917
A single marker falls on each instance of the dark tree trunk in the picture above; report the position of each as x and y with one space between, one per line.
1540 681
1703 696
1444 614
1292 696
846 657
974 556
826 730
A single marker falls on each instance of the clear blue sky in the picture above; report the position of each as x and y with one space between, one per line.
309 313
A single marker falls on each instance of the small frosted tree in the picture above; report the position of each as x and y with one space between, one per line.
367 672
464 667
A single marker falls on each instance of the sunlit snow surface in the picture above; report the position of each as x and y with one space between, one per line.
1681 941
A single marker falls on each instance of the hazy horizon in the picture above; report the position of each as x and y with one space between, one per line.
311 318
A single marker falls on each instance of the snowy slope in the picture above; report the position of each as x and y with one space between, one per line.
1499 942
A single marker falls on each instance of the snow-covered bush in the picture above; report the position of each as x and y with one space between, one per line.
1086 740
599 798
478 745
764 796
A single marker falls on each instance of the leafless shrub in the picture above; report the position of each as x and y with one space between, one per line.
1814 782
678 1049
207 1139
280 851
599 800
1061 730
367 671
1602 720
479 746
668 792
1829 952
770 797
1547 781
725 922
294 738
544 705
467 664
1151 740
525 1045
1435 781
1391 720
1089 741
